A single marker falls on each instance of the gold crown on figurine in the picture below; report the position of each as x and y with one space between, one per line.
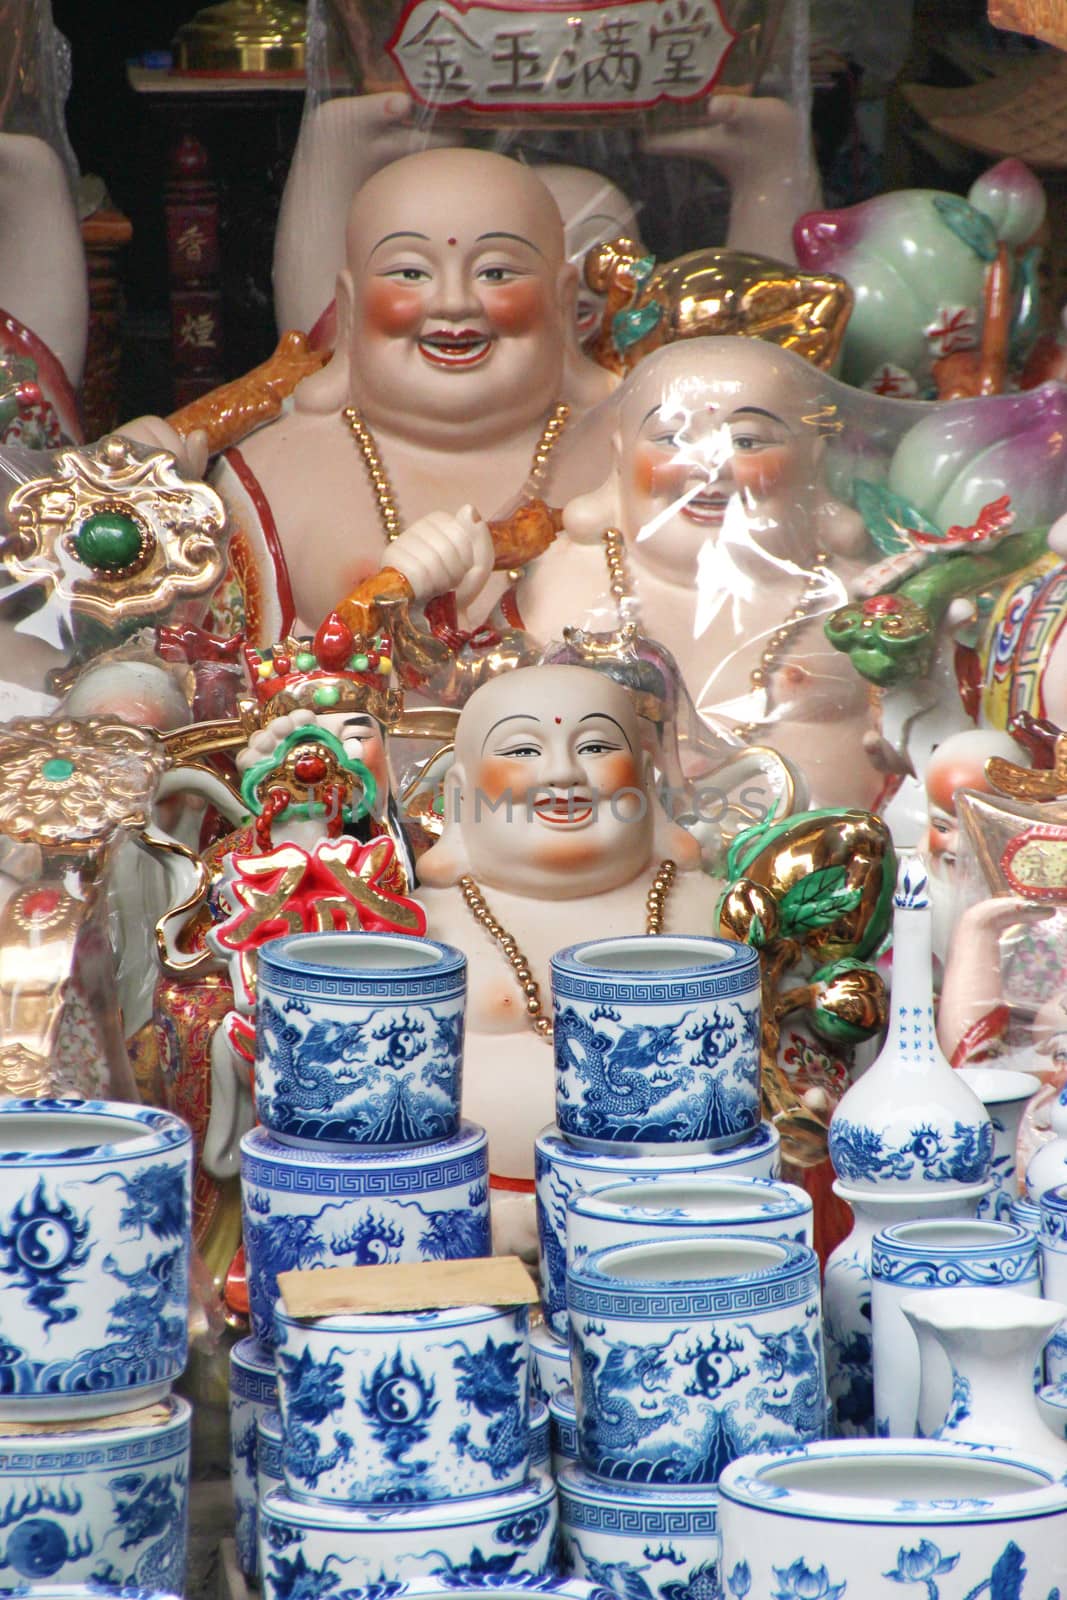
336 671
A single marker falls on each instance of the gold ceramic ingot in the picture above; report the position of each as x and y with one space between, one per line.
854 840
1020 846
712 292
243 36
122 542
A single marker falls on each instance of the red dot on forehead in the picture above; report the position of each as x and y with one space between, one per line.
559 719
451 241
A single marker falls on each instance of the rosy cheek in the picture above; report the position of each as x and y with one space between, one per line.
762 471
391 309
616 772
658 473
498 777
516 308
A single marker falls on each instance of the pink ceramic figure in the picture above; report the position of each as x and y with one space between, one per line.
455 323
552 831
716 533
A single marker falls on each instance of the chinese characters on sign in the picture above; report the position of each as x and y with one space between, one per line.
620 56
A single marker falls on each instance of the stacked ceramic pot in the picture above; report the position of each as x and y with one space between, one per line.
361 1157
95 1225
406 1452
659 1137
909 1140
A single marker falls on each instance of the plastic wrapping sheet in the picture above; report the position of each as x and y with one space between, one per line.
646 117
35 77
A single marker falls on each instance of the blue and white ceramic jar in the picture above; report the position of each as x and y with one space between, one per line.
540 1437
102 1503
502 1588
888 1518
562 1169
913 1256
685 1208
550 1363
1052 1241
639 1541
910 1121
269 1472
403 1407
657 1043
510 1535
846 1294
253 1392
564 1430
319 1208
1005 1095
688 1354
95 1226
1026 1213
359 1039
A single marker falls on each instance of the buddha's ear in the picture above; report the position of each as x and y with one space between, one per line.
670 841
446 862
329 388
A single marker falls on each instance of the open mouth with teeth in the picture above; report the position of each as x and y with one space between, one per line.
456 347
561 809
707 506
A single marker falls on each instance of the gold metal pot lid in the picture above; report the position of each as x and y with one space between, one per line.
243 36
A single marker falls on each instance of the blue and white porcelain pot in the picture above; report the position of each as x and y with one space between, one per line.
359 1039
501 1587
1026 1213
685 1208
332 1547
639 1541
946 1254
402 1407
95 1222
540 1437
910 1122
550 1363
269 1473
562 1169
887 1518
657 1043
687 1354
1005 1095
564 1430
1052 1241
105 1502
253 1392
319 1208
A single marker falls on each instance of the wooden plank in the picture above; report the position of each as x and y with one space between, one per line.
408 1286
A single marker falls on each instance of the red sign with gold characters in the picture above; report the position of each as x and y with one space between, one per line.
619 55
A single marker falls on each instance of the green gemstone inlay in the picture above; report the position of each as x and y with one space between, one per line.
305 662
108 541
327 695
57 769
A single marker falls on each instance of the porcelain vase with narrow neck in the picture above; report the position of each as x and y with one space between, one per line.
911 1122
992 1338
847 1294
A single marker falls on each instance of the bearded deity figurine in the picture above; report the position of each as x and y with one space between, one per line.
455 373
715 533
323 851
552 834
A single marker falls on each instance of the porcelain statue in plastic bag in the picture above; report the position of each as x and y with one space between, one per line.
715 530
551 825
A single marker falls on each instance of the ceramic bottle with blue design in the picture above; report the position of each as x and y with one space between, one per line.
909 1137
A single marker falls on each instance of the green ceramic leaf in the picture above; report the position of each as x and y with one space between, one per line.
630 327
816 900
968 224
888 517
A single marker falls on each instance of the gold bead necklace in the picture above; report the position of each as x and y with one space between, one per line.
622 591
381 484
474 899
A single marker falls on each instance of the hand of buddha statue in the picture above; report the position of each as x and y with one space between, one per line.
190 451
440 553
